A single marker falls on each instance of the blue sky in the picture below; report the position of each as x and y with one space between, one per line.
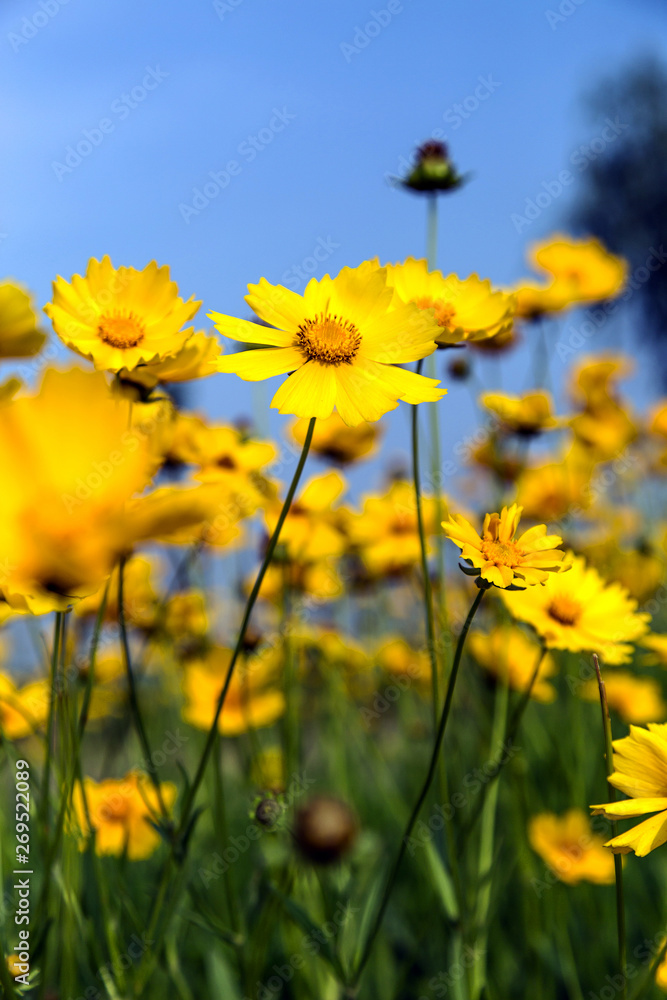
329 107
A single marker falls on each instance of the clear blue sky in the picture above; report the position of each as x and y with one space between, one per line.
331 122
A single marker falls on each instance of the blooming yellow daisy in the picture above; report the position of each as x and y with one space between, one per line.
197 358
386 533
342 339
581 612
570 849
464 308
120 317
497 557
640 771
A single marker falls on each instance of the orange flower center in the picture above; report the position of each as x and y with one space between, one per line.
120 329
444 311
115 810
330 340
572 850
564 610
501 553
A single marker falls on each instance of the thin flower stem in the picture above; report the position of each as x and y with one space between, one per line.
432 230
55 652
252 599
132 690
437 746
428 595
618 862
512 730
162 909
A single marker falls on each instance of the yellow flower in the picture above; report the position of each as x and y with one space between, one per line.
465 309
185 615
22 710
70 464
252 700
604 426
197 358
120 812
636 699
640 771
386 531
342 340
511 655
553 490
497 557
397 657
582 271
585 266
139 596
20 337
525 415
334 440
121 318
311 530
579 611
661 972
658 646
570 849
317 578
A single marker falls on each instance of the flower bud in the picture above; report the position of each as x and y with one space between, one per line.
325 829
433 171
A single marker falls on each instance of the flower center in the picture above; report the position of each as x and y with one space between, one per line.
328 339
116 810
564 610
572 850
500 553
444 311
119 329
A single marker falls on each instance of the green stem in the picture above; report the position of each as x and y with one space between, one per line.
428 595
57 633
432 231
424 791
252 599
132 690
156 925
92 659
618 861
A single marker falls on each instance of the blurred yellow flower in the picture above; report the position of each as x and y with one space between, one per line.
252 700
570 849
385 532
636 699
139 595
317 578
464 308
342 340
120 810
120 318
398 657
185 615
584 266
70 464
640 771
511 655
23 710
524 415
579 611
311 530
658 646
197 358
334 440
20 336
498 557
556 489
